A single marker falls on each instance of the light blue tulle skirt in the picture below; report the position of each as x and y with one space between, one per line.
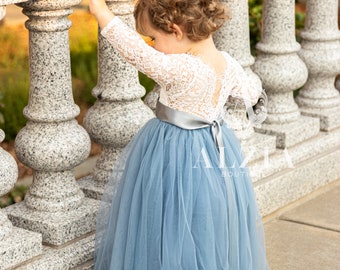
172 203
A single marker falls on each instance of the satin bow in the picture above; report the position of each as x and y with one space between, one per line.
190 121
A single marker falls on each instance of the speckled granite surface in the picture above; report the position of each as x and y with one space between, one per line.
19 246
64 257
296 171
119 112
282 72
321 53
56 228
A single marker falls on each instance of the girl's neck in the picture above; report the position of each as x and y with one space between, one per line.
209 54
204 47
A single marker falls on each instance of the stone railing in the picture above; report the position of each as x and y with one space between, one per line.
292 153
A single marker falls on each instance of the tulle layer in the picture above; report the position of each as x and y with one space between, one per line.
178 204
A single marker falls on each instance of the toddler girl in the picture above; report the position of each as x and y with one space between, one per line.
181 199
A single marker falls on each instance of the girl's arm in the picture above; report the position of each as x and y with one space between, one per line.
243 89
246 92
101 12
162 68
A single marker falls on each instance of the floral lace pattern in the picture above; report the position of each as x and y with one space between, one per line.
187 83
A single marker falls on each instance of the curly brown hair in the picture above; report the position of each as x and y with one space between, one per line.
198 18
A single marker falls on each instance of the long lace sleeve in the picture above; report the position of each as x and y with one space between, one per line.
248 94
243 89
156 65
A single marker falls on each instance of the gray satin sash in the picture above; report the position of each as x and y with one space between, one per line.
189 121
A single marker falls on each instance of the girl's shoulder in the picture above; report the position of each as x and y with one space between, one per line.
232 63
229 58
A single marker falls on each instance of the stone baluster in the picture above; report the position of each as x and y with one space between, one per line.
281 72
8 176
321 53
233 37
12 239
10 251
52 143
119 112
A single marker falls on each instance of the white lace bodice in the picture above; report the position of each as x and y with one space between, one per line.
187 83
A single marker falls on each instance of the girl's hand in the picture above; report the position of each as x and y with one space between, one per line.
99 9
97 6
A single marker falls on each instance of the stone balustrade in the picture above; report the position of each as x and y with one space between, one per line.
292 153
281 72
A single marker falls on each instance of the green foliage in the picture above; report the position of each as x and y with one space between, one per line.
84 75
299 23
255 22
14 87
83 50
2 119
17 194
14 81
146 82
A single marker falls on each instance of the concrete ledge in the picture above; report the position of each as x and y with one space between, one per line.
258 146
284 188
19 246
65 257
57 228
329 118
293 173
290 134
283 161
85 266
